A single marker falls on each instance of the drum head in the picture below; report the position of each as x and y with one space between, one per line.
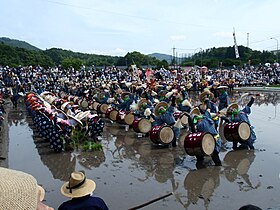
244 131
104 108
113 115
184 120
166 135
129 118
208 144
145 126
84 104
76 99
95 105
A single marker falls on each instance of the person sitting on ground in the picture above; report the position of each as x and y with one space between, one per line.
236 115
164 114
20 190
79 188
205 123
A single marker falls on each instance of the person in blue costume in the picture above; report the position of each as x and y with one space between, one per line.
143 104
234 114
223 97
206 98
183 103
204 123
79 189
102 97
164 115
125 101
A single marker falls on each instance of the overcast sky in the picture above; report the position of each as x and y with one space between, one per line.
115 27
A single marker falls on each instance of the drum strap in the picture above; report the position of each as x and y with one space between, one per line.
217 137
215 118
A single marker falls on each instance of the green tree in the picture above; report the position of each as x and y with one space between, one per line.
76 63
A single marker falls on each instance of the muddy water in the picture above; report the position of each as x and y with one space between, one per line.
131 170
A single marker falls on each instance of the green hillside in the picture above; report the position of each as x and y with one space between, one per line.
17 43
15 52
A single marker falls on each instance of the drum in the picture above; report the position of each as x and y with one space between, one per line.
102 108
84 104
76 99
184 119
129 118
161 134
237 131
201 143
176 115
63 95
70 98
90 105
111 114
141 125
95 105
120 117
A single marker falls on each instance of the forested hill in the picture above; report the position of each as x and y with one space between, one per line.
14 53
18 43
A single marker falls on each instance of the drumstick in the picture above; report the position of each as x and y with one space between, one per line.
248 94
151 201
256 94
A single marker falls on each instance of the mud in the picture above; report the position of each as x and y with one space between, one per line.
130 170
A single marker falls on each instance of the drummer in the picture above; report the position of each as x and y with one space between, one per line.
206 98
236 115
164 115
143 104
223 97
125 101
204 123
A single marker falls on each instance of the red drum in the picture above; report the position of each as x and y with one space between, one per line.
90 105
162 134
102 108
142 125
176 115
184 119
120 117
111 114
201 143
76 99
237 131
95 105
63 95
70 98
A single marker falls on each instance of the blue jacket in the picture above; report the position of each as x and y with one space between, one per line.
242 116
84 203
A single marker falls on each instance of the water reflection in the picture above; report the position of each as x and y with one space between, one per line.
262 98
16 117
60 165
91 160
152 165
201 184
237 165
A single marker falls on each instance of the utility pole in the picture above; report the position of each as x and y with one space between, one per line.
248 40
173 54
276 48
